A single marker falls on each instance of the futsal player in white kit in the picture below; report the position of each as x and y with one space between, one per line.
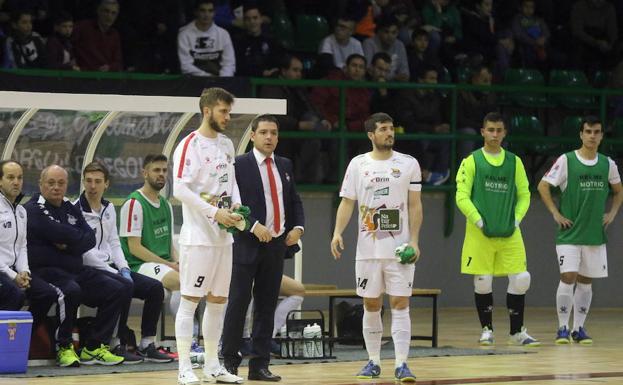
204 181
385 185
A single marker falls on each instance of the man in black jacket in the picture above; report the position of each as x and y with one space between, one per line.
57 236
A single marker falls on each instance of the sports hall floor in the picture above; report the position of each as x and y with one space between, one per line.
601 363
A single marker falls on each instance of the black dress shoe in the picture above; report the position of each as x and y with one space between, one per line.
263 375
231 368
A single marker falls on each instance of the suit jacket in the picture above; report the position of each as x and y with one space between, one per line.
252 195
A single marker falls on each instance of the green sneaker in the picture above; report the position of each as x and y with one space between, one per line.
67 356
100 356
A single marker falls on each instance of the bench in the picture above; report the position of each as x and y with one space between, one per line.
334 294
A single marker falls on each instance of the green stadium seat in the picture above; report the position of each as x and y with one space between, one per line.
310 30
570 80
283 30
526 77
526 126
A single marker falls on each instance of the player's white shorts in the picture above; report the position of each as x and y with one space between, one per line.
377 276
154 270
589 261
205 269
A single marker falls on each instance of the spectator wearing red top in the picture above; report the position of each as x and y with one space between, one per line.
60 51
97 44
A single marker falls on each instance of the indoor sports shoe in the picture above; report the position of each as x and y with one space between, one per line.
486 337
196 348
168 352
220 375
522 338
403 374
99 356
67 357
188 377
151 354
581 337
371 370
563 337
129 358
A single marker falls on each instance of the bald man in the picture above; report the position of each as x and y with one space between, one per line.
57 236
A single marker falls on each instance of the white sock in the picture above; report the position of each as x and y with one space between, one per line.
212 329
401 334
372 334
145 341
281 313
564 303
581 303
184 332
248 321
114 342
174 302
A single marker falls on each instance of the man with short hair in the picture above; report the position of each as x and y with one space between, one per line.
386 40
385 186
585 178
16 280
256 53
204 48
57 236
24 47
108 257
205 182
492 192
341 43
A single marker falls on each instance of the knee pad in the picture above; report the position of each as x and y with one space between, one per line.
483 284
518 284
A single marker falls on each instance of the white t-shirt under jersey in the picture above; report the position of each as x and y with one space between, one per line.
557 175
204 165
381 189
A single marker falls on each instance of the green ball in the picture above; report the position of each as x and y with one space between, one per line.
405 253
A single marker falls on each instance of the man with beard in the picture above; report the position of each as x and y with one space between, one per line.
205 182
385 185
146 228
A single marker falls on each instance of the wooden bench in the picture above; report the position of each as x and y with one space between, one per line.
334 294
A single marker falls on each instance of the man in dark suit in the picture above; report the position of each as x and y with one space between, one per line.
266 184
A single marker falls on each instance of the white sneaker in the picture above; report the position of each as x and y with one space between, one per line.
221 375
187 377
486 338
522 338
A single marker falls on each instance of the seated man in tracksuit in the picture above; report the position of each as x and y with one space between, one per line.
57 236
108 256
16 280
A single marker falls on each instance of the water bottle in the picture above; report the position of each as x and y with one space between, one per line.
296 344
284 344
318 346
309 350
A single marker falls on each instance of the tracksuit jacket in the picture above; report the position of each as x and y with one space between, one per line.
13 252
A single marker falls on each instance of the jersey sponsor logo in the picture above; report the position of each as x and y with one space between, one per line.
380 219
224 178
381 192
591 182
396 173
71 219
221 166
496 183
7 225
379 179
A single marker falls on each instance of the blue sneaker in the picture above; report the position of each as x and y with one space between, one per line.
563 337
371 370
196 348
581 337
438 178
403 374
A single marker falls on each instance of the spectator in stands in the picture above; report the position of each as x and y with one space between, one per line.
420 55
595 30
484 38
24 47
205 49
531 34
60 51
16 280
57 236
378 71
386 41
108 257
420 111
442 20
301 116
327 100
341 43
97 43
256 53
407 16
472 106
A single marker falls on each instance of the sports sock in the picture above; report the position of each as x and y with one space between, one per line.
212 329
174 302
145 341
114 342
581 303
515 304
372 334
564 303
248 321
281 313
184 331
484 306
401 334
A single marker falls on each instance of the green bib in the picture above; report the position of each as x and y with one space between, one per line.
495 195
584 201
156 234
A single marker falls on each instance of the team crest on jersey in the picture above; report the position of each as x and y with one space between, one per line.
396 173
224 178
71 219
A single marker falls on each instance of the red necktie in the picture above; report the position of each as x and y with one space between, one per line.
274 196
